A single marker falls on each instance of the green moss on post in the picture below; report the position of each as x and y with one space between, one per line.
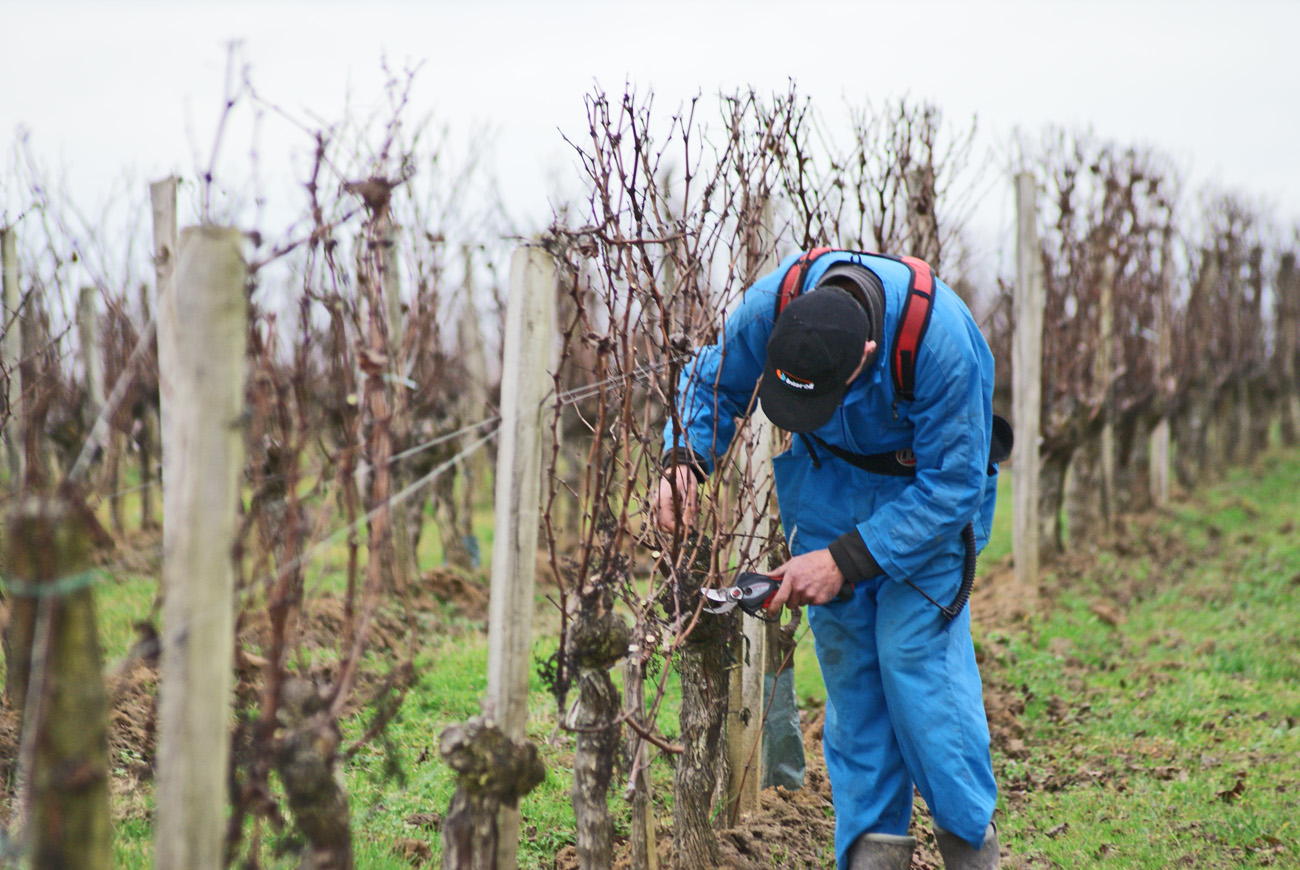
58 670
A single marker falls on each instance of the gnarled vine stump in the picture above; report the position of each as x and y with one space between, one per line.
492 771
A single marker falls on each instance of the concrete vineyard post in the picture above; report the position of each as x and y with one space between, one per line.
1103 373
92 361
162 198
745 719
405 565
1160 435
1026 388
1288 345
13 354
529 334
474 398
202 326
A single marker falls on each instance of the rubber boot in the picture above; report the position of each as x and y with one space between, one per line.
881 852
960 855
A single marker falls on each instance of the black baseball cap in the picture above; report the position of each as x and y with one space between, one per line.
816 344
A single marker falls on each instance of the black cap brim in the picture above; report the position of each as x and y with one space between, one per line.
794 411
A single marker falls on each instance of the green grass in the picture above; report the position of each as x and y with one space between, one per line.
1170 738
999 545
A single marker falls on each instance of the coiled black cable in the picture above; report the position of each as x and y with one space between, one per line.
967 573
952 610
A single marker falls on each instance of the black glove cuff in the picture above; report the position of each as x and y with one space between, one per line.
853 558
688 457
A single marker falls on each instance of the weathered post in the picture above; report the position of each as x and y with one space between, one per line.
469 350
1192 426
42 468
1160 434
1259 412
92 361
756 680
202 325
13 354
1026 388
162 198
1103 373
529 333
56 683
147 438
1287 302
405 564
745 716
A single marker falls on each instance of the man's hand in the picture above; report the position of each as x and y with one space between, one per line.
678 485
812 578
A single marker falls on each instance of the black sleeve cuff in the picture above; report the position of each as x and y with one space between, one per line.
853 558
688 457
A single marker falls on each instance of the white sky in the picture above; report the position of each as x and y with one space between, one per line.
107 87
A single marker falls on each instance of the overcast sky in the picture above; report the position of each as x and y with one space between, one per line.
106 87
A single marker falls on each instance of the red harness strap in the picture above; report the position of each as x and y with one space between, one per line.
792 283
911 325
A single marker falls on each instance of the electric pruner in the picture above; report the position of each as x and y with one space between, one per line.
752 592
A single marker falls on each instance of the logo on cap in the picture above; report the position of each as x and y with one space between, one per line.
792 381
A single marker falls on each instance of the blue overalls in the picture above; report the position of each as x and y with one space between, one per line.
904 704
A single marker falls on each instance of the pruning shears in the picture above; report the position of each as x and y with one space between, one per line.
752 592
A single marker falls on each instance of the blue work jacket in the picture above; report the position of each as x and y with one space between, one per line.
904 521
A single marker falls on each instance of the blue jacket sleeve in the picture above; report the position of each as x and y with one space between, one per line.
952 416
719 384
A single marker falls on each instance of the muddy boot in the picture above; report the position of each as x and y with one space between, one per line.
959 855
881 852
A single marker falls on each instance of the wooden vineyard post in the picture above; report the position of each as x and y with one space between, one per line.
746 722
453 514
103 438
1259 404
202 325
406 567
162 198
92 359
56 684
148 437
469 349
745 716
1026 389
469 839
13 354
1104 369
1160 467
529 333
1288 345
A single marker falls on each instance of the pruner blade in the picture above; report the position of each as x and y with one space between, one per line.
720 600
751 591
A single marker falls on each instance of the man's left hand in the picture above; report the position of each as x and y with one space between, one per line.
812 578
